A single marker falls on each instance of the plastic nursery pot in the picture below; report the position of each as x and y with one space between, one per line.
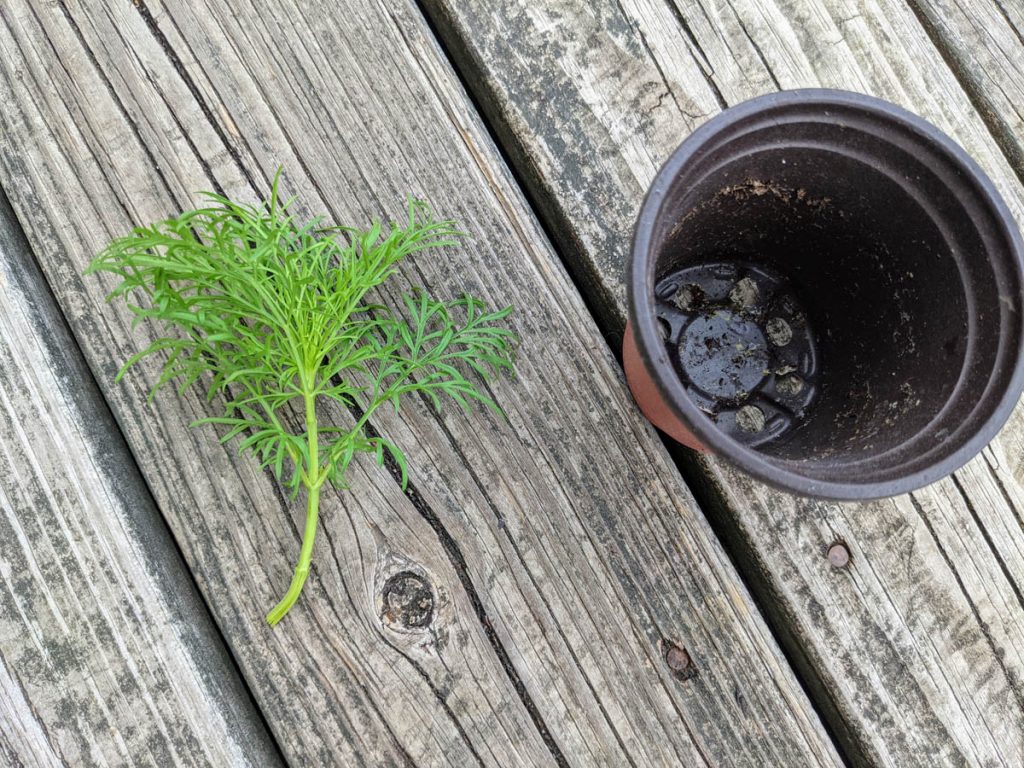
826 291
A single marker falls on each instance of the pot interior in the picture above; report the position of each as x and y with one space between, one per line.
826 299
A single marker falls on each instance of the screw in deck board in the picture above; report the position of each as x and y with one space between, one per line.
408 601
679 661
838 555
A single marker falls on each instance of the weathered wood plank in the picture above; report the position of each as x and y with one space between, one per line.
983 42
916 649
563 549
107 654
336 683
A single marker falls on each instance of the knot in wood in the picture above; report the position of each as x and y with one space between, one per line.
408 601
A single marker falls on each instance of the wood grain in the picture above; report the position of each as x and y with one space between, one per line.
107 654
565 553
914 651
983 43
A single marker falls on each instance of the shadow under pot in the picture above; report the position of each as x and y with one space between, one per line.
826 291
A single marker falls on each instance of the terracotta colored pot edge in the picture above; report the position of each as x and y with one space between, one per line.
649 397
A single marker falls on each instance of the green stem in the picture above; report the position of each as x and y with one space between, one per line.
374 405
312 513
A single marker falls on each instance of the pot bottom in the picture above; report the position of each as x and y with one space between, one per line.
742 345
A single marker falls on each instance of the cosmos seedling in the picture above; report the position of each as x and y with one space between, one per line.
271 316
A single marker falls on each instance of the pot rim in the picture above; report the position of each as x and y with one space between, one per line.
641 314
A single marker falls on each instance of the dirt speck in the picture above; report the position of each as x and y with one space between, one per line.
750 418
689 297
779 332
789 385
744 294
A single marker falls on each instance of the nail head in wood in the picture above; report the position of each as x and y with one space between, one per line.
408 601
839 555
679 661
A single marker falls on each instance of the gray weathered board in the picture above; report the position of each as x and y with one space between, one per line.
564 552
107 654
916 649
983 42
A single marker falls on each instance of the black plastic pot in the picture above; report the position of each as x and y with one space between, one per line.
826 291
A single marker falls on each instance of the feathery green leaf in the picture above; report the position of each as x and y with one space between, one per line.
269 312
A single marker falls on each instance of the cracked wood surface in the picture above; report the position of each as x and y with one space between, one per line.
915 651
107 654
564 551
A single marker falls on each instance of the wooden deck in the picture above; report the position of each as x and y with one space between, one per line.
571 556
